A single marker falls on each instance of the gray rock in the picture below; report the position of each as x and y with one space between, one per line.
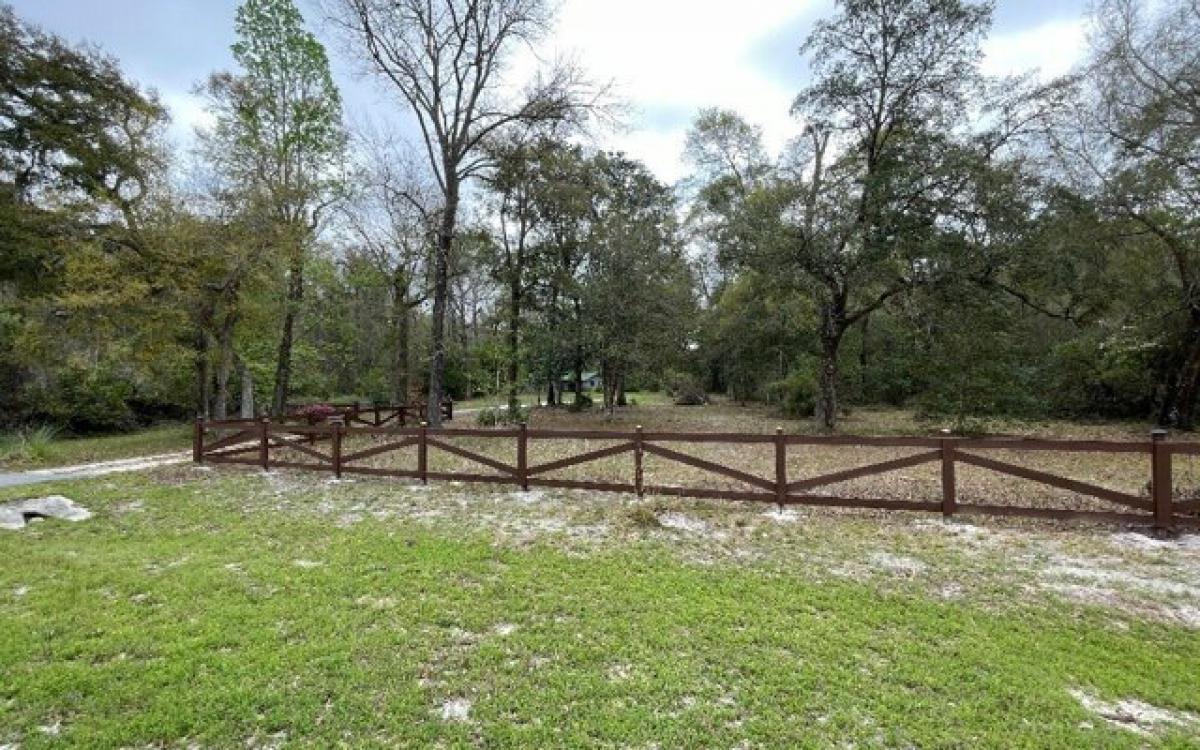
17 514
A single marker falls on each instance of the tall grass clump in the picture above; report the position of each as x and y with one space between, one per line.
28 445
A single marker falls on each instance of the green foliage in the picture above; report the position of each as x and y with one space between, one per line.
685 390
1108 377
493 416
89 399
796 394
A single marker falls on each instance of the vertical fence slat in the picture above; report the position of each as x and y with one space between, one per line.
1161 483
949 487
780 468
198 441
523 456
264 443
638 456
423 453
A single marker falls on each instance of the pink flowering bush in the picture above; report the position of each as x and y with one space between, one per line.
316 412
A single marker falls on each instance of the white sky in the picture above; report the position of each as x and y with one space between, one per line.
687 54
667 58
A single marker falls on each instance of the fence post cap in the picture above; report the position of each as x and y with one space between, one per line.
424 423
1158 433
779 430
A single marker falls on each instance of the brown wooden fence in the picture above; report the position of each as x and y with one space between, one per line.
321 447
377 415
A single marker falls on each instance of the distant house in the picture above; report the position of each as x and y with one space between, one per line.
591 381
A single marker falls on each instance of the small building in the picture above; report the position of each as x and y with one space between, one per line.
591 381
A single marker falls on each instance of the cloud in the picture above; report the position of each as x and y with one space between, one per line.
1052 48
669 58
187 113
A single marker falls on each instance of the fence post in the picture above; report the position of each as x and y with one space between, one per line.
949 489
523 456
264 443
780 468
338 428
449 411
423 453
376 405
198 441
1161 484
638 441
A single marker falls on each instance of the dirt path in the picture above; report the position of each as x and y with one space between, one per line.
101 468
86 471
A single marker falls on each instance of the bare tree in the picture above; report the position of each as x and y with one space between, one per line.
447 60
393 220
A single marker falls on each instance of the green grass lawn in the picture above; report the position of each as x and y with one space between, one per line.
219 608
22 452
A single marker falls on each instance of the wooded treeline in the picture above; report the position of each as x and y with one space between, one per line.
931 237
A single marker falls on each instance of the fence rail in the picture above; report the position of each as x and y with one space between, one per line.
320 448
378 414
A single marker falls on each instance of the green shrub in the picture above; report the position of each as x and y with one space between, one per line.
486 417
691 395
796 394
500 415
90 400
29 445
685 390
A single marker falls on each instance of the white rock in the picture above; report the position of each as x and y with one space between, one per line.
14 515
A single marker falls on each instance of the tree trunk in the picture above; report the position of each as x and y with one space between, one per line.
578 381
514 342
283 362
827 404
606 388
400 313
441 285
833 327
620 389
247 405
551 392
224 367
202 373
864 357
